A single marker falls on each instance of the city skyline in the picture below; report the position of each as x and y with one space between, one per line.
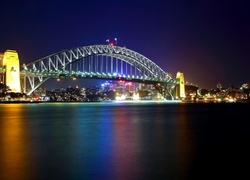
207 41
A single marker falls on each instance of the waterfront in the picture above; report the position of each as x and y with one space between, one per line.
107 140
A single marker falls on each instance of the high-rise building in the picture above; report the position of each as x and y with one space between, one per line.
11 65
180 90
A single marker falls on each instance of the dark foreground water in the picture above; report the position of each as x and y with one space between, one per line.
124 141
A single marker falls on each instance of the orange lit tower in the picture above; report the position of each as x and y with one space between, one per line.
181 90
12 70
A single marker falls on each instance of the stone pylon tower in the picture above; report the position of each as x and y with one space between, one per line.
181 89
12 70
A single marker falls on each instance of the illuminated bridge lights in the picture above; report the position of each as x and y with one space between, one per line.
96 61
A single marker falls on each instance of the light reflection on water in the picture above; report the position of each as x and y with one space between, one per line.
14 146
104 140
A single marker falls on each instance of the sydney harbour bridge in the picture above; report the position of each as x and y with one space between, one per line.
96 62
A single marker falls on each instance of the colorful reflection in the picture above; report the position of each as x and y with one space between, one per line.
107 144
185 142
14 144
94 141
127 149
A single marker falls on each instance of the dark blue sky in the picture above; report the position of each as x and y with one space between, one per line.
208 40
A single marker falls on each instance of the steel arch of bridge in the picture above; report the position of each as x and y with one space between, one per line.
94 61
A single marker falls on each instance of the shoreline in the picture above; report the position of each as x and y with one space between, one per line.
19 102
118 101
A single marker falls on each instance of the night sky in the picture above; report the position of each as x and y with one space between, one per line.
207 40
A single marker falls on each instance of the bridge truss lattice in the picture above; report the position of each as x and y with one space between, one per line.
94 61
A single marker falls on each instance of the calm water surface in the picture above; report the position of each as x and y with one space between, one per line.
120 141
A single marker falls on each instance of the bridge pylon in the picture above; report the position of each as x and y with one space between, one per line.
10 70
180 90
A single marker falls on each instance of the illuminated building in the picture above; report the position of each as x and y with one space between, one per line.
180 90
10 63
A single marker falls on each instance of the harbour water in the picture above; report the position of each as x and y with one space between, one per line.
124 141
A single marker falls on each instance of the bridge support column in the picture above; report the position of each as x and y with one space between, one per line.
166 90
